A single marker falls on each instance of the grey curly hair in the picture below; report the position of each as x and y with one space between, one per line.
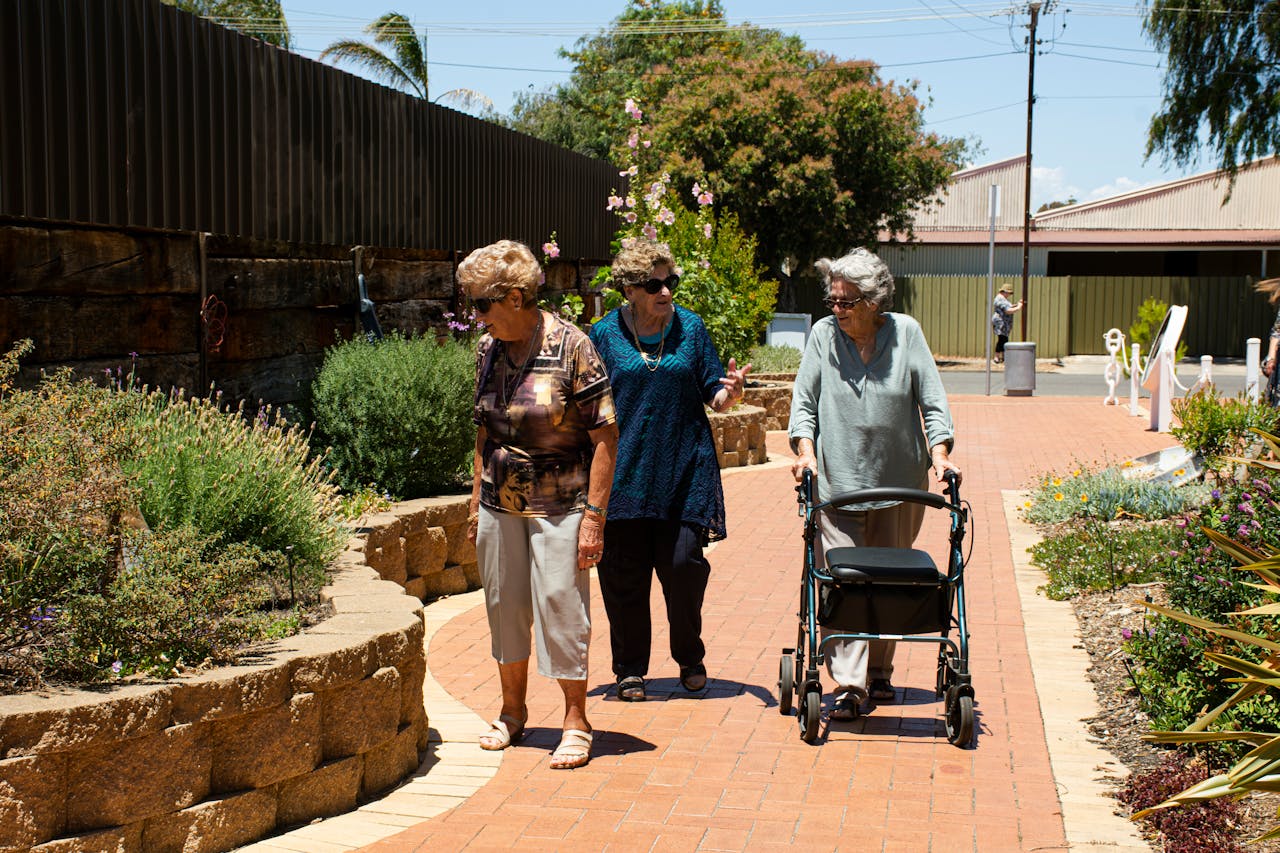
864 271
634 264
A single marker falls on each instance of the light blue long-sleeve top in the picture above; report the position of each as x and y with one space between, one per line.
871 424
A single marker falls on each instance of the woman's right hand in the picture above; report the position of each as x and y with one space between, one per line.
1269 364
473 526
806 459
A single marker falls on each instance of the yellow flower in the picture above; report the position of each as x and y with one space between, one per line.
1027 504
1075 473
1057 481
1128 463
1057 496
1084 498
1179 472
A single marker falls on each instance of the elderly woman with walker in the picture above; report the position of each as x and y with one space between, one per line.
543 470
868 410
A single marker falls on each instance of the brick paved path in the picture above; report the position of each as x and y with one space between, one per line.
725 771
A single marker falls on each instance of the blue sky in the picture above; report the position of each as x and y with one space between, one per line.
1098 80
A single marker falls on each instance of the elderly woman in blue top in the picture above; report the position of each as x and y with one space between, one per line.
868 410
666 502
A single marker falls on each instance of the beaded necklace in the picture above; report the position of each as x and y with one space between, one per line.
650 361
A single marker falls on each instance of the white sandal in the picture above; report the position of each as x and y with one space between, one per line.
502 732
574 748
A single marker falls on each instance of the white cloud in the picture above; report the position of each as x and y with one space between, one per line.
1050 185
1119 186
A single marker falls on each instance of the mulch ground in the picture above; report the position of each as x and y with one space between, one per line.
1120 725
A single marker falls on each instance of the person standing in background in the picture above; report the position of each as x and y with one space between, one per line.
1002 318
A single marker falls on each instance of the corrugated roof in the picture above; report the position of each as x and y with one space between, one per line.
964 202
1099 237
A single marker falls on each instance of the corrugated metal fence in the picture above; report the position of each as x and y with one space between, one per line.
1069 315
130 113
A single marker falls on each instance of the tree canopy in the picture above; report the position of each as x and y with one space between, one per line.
813 155
1222 80
262 19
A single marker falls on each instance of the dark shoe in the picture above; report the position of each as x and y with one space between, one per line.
845 710
631 689
881 690
693 678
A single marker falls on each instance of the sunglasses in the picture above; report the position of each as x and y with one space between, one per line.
654 285
484 303
842 304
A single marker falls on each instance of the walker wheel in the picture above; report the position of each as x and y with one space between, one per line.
786 683
810 713
960 721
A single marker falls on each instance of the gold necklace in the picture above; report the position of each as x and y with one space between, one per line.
650 361
509 387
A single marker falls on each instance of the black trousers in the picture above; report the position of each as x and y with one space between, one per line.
634 549
1001 340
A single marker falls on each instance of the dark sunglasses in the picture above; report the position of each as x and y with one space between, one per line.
484 303
655 285
842 304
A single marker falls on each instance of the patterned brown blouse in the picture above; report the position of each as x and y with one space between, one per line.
537 416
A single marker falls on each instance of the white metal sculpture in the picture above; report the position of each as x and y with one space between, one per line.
1114 339
1157 374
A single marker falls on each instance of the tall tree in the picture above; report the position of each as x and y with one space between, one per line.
635 57
815 155
1222 80
403 65
812 155
262 19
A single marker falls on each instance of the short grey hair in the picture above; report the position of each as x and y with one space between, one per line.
864 271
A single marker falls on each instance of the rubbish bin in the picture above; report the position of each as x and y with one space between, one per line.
1019 369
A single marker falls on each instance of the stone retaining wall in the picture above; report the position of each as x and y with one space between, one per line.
775 399
739 436
306 728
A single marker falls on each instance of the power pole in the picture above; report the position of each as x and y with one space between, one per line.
1026 207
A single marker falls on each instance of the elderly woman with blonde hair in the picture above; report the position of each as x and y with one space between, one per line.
868 410
1271 289
543 470
667 502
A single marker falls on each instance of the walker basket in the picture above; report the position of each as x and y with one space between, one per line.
884 591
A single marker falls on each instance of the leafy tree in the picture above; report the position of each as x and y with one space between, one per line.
635 58
403 65
1054 205
813 156
1222 83
262 19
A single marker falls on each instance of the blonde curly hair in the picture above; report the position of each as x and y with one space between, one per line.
635 263
493 271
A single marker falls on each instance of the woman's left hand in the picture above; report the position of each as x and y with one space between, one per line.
590 540
733 384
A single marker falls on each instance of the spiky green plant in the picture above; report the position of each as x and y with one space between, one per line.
1259 769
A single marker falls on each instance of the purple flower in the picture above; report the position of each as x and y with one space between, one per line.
133 355
1199 578
1245 496
1215 494
1242 530
1182 639
116 667
1182 522
1126 633
1226 517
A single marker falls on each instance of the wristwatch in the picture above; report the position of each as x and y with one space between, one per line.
597 510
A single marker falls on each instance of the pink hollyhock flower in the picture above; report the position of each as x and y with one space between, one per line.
705 198
650 232
646 143
615 202
551 249
697 189
706 230
631 216
666 216
631 201
633 140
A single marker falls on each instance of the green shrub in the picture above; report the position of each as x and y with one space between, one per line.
397 414
87 592
1212 427
1176 680
1101 555
237 481
774 359
1105 494
179 601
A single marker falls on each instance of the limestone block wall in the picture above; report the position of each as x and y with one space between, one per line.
739 436
774 397
422 546
305 727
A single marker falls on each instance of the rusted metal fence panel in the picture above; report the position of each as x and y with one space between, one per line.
130 113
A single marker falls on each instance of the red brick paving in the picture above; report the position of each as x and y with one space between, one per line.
725 771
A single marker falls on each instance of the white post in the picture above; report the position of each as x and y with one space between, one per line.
1206 372
1135 371
1162 396
993 208
1252 371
